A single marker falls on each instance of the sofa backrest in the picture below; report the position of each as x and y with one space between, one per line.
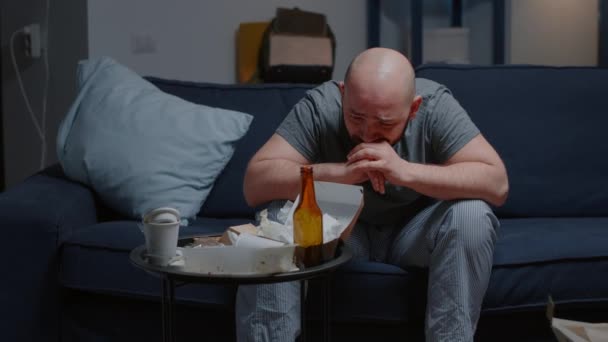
268 103
548 124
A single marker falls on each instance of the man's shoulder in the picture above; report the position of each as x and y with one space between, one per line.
329 89
326 96
428 88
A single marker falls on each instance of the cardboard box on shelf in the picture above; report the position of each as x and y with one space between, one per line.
253 254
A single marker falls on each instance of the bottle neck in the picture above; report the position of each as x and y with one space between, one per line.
308 187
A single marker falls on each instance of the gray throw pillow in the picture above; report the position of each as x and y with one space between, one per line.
140 148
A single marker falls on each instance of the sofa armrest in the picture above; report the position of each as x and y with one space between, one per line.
46 203
36 216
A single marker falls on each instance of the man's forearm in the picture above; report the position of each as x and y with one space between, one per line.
274 179
456 181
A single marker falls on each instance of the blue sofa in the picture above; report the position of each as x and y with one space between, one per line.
68 276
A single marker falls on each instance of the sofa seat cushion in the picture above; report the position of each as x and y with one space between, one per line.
566 258
533 258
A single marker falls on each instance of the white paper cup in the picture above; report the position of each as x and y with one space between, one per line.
161 230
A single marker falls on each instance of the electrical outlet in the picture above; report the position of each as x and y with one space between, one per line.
32 40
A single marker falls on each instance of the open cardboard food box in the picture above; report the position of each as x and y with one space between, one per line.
260 255
574 331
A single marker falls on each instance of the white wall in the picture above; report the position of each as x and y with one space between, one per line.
553 32
195 40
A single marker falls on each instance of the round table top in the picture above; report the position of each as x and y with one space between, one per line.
178 273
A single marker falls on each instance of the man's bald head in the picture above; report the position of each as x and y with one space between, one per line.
378 96
381 72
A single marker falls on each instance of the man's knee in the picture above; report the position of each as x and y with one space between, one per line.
473 223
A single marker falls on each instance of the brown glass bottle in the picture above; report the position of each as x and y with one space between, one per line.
308 222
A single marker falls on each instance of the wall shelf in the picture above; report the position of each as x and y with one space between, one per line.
416 17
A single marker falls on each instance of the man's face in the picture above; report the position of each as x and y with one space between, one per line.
368 121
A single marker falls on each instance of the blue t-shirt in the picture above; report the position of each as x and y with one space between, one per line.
315 128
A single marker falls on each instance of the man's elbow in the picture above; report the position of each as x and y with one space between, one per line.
250 198
502 192
248 192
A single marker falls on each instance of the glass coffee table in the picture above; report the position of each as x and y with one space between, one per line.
172 276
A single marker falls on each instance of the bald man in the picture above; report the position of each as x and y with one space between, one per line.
428 176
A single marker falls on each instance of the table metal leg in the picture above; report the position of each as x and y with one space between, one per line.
168 299
303 310
327 308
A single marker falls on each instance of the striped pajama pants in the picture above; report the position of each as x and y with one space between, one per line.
454 239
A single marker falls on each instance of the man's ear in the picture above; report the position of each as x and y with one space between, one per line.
415 106
341 86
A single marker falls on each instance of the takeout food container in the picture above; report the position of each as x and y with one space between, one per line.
261 255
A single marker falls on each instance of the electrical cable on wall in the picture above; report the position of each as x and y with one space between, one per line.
47 73
39 125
